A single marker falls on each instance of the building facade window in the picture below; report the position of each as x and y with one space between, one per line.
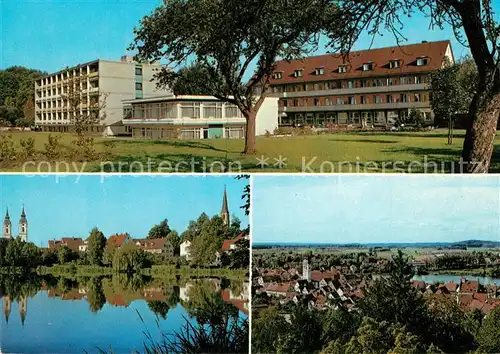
354 117
212 110
403 97
190 110
342 69
190 134
421 61
351 100
232 111
138 86
394 64
389 99
362 99
277 75
234 132
168 110
138 111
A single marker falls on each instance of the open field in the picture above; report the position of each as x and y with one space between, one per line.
417 253
340 152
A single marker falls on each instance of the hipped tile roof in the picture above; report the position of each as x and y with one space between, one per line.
379 58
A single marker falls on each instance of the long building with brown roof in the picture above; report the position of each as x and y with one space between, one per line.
368 88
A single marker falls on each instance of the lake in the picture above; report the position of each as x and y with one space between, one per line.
443 278
118 314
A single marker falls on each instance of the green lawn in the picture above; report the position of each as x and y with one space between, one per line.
341 152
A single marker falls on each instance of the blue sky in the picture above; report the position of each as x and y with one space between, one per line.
375 209
52 34
130 204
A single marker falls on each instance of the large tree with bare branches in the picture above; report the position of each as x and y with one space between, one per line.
226 38
474 25
84 111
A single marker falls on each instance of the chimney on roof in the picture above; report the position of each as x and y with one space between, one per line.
127 59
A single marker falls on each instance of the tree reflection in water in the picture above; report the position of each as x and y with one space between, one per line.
218 329
95 295
211 325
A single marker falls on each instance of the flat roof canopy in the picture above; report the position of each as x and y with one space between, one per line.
172 98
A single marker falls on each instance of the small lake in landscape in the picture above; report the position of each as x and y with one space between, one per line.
61 315
443 278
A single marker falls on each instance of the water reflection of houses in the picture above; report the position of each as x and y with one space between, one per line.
184 292
239 300
72 294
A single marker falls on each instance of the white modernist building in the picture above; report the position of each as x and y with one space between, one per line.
103 84
193 117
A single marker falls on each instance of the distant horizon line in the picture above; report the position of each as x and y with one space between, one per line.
368 243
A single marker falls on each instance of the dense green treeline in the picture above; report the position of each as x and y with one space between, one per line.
205 234
17 106
392 317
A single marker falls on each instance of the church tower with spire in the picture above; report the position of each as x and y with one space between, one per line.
7 226
22 305
7 307
23 227
224 213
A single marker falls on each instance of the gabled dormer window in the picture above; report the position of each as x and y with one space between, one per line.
394 64
342 69
298 73
422 61
319 71
367 66
277 75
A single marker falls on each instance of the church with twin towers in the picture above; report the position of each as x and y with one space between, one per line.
23 226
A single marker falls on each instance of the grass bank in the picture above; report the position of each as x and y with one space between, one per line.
340 152
74 270
163 271
15 270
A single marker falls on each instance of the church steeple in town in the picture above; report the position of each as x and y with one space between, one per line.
23 227
306 270
7 225
224 213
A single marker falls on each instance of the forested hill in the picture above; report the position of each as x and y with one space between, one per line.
17 95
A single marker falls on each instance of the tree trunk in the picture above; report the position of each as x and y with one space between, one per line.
479 139
250 116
